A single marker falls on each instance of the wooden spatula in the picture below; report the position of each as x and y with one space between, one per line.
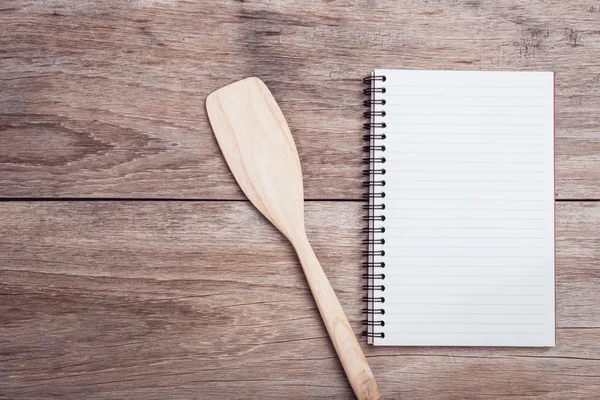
260 151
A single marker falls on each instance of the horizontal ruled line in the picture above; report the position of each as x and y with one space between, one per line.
462 227
470 294
478 191
462 199
457 304
505 200
478 266
395 275
467 142
470 333
461 209
465 313
463 218
463 171
466 285
472 115
461 180
388 85
467 237
388 133
460 96
461 247
462 152
469 162
469 256
479 209
457 105
464 323
461 124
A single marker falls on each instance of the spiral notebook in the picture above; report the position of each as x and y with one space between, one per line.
461 208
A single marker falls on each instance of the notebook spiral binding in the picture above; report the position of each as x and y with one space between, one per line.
373 183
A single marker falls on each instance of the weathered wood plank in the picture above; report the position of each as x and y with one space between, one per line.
106 98
173 300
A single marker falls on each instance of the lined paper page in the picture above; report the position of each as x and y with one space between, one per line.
469 239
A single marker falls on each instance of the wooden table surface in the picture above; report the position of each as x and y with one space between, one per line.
131 267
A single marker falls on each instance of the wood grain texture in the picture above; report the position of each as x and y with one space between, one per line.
106 98
139 300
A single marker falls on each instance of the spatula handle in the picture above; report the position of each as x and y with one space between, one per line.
349 352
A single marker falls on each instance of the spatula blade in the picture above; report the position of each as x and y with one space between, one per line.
257 144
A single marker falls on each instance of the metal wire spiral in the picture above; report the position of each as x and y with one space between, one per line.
373 184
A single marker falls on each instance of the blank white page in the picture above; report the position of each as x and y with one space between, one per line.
469 207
